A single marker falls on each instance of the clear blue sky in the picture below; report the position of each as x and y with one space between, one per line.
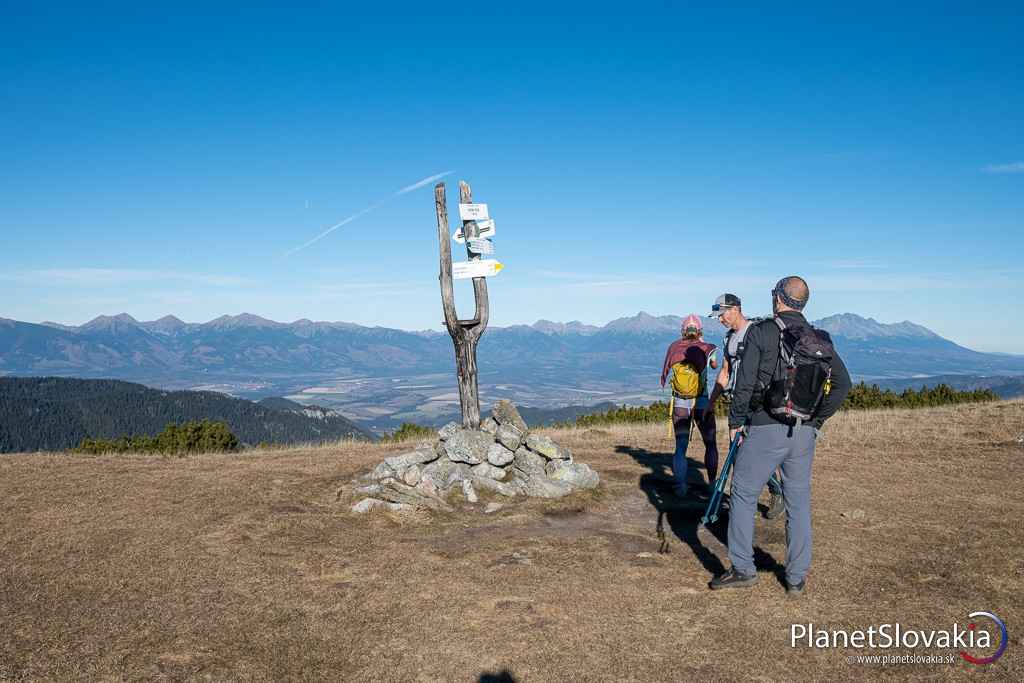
635 157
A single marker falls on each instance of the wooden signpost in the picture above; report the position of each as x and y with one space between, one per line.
465 333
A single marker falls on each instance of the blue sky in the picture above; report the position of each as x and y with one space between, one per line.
160 162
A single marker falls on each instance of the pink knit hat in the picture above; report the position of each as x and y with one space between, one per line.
692 322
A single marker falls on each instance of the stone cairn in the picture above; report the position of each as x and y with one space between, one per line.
502 456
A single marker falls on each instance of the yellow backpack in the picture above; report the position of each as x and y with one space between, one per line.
687 382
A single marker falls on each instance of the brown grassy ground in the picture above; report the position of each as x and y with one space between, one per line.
250 568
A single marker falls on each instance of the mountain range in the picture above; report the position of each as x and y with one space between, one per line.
123 347
382 375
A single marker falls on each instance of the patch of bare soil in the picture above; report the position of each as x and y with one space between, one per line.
250 567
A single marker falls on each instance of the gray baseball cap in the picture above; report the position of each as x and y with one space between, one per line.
723 302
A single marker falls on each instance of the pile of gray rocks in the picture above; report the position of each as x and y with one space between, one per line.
502 456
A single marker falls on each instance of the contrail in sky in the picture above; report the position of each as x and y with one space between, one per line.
376 205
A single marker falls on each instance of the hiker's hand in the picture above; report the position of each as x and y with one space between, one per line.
734 431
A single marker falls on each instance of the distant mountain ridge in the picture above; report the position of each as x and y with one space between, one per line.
848 325
852 326
268 356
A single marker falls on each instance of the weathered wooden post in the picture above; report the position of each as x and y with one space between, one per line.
465 333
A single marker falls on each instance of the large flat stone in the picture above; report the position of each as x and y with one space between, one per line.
445 432
546 447
459 473
382 471
486 469
540 486
397 492
490 425
438 471
422 454
528 462
504 412
498 455
468 446
505 488
412 475
509 436
577 474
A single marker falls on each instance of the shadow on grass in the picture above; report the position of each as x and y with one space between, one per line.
683 516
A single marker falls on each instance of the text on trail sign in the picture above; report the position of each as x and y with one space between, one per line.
479 245
473 212
463 270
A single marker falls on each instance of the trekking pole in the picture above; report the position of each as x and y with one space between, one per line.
711 513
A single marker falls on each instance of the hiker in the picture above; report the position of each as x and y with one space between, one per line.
687 360
789 382
729 310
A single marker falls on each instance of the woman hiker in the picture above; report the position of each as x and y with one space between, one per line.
687 360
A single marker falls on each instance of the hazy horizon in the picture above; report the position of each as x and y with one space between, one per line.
709 323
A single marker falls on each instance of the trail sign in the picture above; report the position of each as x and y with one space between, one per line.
473 212
480 245
485 228
464 270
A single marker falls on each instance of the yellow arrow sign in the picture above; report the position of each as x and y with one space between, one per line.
464 270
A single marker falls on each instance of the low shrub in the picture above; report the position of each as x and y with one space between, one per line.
861 397
191 437
409 431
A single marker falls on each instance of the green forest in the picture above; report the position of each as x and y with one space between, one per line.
56 414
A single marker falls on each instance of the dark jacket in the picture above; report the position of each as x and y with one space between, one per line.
757 367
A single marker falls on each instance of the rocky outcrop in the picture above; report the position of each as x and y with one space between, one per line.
502 457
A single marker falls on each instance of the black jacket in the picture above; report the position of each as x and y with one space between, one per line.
758 365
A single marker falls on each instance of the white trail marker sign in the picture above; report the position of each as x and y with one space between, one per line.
464 270
473 212
484 229
479 245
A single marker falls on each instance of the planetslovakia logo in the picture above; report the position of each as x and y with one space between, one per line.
1003 640
957 639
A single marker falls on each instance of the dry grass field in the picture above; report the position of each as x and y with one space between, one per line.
250 567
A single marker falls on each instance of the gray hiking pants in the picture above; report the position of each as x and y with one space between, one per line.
763 449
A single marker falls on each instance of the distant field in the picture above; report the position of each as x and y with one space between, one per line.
249 567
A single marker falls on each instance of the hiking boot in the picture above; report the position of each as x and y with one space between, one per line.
732 579
795 589
776 505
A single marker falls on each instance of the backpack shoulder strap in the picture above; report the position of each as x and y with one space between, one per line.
784 354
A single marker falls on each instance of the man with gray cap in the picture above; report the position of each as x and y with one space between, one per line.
729 311
789 382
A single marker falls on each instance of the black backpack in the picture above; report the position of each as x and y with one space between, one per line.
803 374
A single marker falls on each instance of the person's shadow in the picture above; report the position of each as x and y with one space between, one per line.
504 676
683 517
